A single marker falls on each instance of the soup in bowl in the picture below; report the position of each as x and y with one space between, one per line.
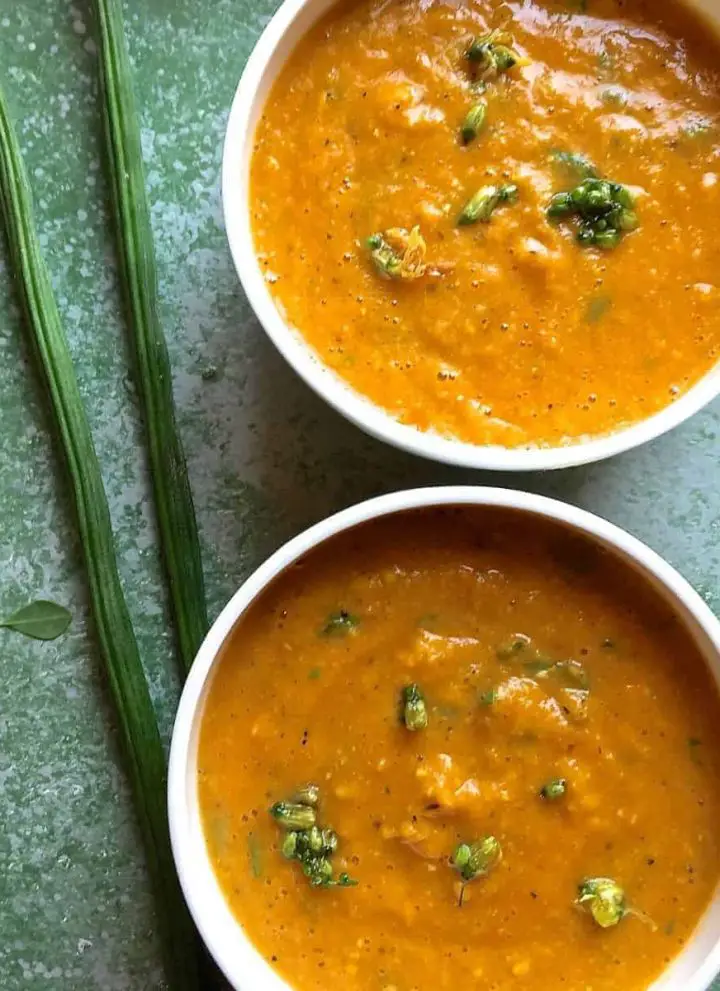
455 737
485 231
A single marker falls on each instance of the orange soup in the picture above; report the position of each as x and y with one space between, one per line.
460 750
409 202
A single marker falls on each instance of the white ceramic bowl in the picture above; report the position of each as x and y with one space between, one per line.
243 966
290 23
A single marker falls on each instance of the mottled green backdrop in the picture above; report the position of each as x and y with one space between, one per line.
266 458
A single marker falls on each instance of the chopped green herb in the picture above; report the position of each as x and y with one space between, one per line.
481 206
553 789
307 795
41 620
604 899
608 644
492 53
384 258
313 841
340 623
293 815
318 870
306 842
398 253
488 697
602 210
473 860
694 742
254 855
414 708
329 840
474 122
314 674
289 845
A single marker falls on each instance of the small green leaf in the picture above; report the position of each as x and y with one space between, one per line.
41 620
340 623
488 697
314 674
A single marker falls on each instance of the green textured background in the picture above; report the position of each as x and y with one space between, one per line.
265 456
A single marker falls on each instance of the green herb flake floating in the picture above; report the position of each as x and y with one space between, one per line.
414 708
339 624
307 842
493 54
604 899
553 789
482 205
474 860
474 122
398 253
603 212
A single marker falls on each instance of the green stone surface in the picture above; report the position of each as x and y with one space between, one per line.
266 458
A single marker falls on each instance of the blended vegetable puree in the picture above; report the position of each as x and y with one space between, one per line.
462 749
498 220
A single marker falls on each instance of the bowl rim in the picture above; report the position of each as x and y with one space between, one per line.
288 25
232 950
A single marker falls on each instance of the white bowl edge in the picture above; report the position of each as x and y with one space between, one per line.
698 963
293 19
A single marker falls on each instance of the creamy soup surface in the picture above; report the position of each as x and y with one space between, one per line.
513 333
568 718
